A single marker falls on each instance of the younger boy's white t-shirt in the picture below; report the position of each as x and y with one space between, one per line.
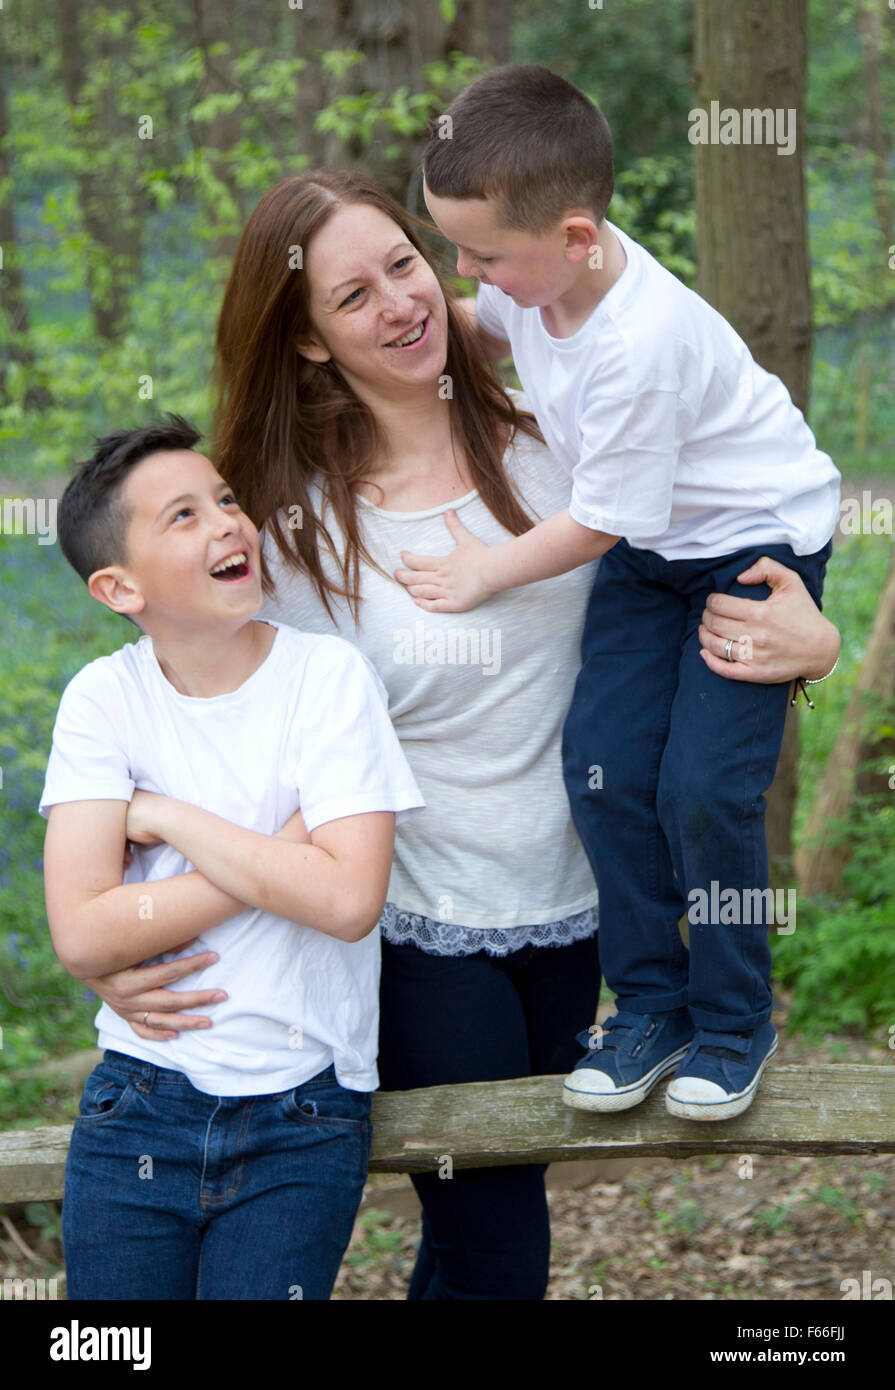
309 730
675 438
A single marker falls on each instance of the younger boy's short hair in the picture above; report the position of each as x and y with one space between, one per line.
92 519
530 140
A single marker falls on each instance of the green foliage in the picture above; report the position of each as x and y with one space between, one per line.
178 194
652 202
633 60
52 629
45 1217
689 1217
841 957
378 1242
840 960
840 1204
179 197
771 1219
362 116
855 577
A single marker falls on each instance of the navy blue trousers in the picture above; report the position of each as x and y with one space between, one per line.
666 765
445 1019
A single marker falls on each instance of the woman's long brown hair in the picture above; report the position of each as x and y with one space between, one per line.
282 421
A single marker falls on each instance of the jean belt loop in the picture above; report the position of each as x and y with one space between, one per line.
148 1073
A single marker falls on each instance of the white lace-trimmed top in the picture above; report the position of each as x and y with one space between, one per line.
478 702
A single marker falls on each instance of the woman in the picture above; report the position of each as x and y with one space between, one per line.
358 419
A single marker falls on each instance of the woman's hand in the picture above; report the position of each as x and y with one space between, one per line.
775 639
140 826
140 996
451 583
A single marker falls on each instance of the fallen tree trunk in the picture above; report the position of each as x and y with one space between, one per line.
822 1109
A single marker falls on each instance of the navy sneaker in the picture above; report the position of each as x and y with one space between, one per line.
719 1076
626 1058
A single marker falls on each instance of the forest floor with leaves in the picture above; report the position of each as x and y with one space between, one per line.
711 1228
693 1231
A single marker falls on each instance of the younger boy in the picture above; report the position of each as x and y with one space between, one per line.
256 772
688 462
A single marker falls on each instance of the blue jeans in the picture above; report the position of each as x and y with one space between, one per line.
666 765
174 1194
445 1019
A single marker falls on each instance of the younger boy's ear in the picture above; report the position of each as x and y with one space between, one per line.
580 236
114 587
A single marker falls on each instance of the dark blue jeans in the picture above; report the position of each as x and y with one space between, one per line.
445 1019
666 765
174 1194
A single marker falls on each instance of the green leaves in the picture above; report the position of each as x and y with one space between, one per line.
362 116
339 61
210 107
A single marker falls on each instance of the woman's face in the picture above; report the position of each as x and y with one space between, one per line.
369 289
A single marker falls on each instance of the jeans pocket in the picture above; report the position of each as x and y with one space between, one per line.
327 1103
107 1094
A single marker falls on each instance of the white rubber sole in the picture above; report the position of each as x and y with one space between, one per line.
718 1109
625 1098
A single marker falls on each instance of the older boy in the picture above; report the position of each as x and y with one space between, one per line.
256 771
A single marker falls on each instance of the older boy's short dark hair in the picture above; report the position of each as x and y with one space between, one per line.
530 140
92 519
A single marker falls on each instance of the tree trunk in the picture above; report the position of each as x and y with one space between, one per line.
312 33
215 40
751 237
497 31
107 207
820 860
870 30
12 281
396 38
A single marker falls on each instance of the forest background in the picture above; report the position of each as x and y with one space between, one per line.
135 139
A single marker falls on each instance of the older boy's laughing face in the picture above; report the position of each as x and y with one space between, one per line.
193 554
532 270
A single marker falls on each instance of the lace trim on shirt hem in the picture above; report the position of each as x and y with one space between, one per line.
451 939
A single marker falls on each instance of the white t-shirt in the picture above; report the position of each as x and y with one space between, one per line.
478 701
674 437
308 730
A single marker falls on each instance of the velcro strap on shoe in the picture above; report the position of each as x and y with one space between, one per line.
721 1044
599 1037
624 1030
624 1018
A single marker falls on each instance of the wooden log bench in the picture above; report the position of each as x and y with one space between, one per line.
834 1109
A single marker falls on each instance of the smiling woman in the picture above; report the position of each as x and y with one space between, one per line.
346 394
395 307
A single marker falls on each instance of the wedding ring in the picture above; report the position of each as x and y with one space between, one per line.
145 1016
727 656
